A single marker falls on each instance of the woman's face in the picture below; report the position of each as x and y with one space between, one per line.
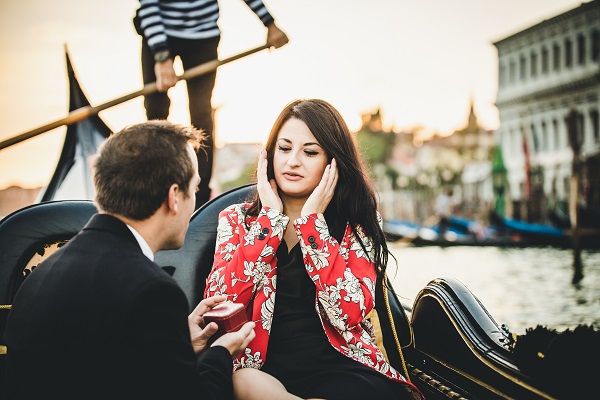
298 160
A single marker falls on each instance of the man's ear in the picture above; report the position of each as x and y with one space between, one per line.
172 201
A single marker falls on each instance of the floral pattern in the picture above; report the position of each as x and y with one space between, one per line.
245 268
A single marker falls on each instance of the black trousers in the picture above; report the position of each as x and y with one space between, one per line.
199 90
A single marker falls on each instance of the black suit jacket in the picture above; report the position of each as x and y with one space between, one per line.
98 319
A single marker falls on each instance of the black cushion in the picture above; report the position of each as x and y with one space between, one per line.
28 230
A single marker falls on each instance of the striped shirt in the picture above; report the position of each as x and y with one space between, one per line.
192 19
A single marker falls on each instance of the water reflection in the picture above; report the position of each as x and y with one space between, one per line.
519 287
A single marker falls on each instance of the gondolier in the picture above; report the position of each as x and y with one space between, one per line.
188 29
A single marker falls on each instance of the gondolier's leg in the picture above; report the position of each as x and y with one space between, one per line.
200 91
156 104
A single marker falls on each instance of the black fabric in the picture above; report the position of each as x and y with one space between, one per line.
298 344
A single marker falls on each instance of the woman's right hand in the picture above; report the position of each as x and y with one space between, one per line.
267 189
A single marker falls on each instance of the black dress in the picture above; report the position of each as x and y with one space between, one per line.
299 353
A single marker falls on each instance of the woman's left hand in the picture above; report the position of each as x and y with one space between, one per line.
267 189
319 199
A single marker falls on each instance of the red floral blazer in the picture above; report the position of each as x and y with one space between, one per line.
245 267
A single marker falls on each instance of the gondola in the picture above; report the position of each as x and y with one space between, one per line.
445 342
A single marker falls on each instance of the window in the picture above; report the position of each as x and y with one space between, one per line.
556 57
581 129
575 130
595 124
557 143
595 45
580 49
545 143
534 64
544 60
512 71
522 68
568 53
535 138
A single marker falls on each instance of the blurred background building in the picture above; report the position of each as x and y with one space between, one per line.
548 103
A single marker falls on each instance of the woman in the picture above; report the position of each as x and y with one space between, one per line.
302 257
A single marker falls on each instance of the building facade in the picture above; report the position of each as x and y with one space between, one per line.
548 73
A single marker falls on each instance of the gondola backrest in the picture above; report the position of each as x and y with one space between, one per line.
31 233
193 261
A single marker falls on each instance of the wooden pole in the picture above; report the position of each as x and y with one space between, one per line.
87 111
575 140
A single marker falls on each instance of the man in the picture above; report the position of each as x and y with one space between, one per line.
99 319
188 29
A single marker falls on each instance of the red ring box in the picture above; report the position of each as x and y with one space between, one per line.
229 317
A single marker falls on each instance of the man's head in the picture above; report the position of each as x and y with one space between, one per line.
136 168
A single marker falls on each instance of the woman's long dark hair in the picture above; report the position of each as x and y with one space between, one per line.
354 201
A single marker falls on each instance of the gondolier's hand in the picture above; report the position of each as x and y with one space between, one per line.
267 189
199 333
319 199
166 77
275 36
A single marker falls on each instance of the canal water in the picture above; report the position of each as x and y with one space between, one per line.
521 288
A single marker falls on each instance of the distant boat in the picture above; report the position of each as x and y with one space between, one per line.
546 235
502 232
395 229
72 178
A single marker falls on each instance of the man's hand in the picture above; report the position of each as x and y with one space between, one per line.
199 333
275 36
166 77
236 341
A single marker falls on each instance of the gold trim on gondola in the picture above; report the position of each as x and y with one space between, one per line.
393 326
430 381
484 360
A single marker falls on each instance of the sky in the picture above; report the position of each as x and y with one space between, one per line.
420 62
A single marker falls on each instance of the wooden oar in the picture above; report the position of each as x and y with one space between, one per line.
87 111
